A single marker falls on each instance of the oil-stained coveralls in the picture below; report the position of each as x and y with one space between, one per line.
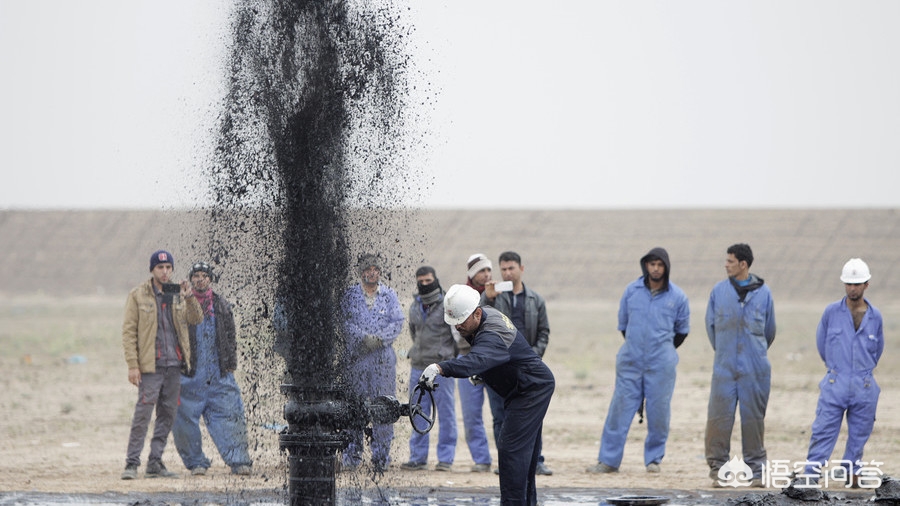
506 363
740 322
653 325
850 355
373 370
210 391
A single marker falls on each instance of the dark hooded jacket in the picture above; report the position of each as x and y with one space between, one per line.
226 341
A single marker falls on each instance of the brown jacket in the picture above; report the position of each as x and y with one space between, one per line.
139 327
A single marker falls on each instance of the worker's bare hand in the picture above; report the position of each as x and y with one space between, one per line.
134 377
489 291
186 289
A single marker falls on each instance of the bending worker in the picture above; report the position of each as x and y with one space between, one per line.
505 361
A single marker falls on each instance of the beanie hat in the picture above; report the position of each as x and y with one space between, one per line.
161 257
202 267
367 260
477 262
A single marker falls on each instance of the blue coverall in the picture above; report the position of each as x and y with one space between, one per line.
471 401
374 372
850 355
740 333
217 398
645 366
505 361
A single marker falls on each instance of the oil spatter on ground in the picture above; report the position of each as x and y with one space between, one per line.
889 491
888 494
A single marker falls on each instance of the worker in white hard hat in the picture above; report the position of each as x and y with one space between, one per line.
850 339
505 361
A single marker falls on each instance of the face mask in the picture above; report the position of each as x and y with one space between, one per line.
430 292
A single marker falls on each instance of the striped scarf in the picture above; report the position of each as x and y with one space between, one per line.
206 301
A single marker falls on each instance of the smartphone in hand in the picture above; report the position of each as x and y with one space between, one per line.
503 286
171 288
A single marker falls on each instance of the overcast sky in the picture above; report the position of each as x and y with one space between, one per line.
590 104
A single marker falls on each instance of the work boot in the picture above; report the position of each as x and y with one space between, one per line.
130 472
198 471
156 469
653 467
602 468
542 470
241 470
481 468
413 466
443 466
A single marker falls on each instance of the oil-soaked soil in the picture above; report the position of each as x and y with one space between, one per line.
442 497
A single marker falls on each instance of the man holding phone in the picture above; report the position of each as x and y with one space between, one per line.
157 348
528 312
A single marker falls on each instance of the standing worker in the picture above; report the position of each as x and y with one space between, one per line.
157 349
472 391
507 364
740 322
374 320
528 312
654 319
850 339
209 390
432 342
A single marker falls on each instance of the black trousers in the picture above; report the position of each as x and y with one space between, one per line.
520 444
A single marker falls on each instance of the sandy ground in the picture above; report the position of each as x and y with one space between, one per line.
65 407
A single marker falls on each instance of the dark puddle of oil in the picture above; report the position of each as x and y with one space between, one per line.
428 497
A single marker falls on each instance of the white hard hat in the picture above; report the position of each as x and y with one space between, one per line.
855 271
460 302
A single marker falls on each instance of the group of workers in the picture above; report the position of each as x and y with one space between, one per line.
181 349
490 336
654 319
486 334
